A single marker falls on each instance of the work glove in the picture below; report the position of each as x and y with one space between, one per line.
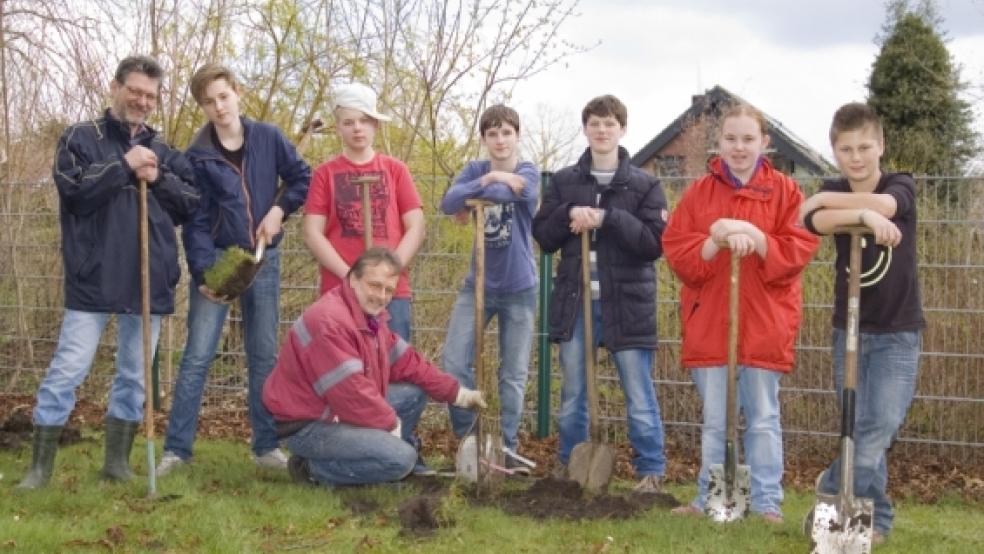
468 398
398 430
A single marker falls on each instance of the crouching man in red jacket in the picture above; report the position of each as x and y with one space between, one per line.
330 392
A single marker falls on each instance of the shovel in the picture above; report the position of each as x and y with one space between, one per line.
730 483
592 461
144 233
842 522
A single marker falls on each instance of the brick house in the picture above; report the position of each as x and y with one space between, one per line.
683 148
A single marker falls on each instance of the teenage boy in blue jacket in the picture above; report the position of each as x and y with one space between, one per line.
238 163
98 166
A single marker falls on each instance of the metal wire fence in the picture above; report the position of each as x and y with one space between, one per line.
946 418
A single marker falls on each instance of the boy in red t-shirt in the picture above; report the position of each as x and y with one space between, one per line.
333 213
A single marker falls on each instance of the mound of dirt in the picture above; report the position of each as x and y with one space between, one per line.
418 515
564 499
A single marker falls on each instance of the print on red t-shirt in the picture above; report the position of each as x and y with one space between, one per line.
348 203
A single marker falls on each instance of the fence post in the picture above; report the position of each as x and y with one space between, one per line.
543 342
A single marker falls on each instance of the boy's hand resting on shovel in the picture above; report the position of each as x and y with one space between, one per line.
468 398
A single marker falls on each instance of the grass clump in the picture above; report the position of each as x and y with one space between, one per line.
228 269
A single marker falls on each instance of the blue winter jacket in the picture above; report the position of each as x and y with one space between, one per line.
99 203
233 202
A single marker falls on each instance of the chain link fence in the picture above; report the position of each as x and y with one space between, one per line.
946 418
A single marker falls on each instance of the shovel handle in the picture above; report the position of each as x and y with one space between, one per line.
144 237
731 419
589 344
478 206
365 183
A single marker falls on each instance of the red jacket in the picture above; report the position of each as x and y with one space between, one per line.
334 368
769 297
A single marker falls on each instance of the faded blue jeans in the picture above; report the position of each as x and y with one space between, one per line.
888 368
642 409
77 342
517 316
401 317
260 306
758 399
341 454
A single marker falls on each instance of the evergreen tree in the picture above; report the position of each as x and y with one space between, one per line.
915 88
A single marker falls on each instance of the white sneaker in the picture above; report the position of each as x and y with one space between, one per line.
169 461
274 459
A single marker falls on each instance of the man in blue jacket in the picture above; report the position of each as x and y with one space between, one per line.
98 166
238 164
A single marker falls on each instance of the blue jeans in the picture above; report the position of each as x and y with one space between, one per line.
260 306
343 454
758 399
888 366
401 317
642 409
517 313
77 342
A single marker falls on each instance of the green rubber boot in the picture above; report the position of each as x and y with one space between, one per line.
119 441
43 457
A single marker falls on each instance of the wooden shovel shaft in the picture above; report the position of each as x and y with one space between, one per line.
732 407
481 432
365 183
144 237
850 366
478 206
589 345
731 417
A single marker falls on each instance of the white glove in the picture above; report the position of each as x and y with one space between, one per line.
397 431
468 398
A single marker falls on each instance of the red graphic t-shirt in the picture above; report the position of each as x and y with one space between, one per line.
334 195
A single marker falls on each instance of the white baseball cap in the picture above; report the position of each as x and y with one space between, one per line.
357 96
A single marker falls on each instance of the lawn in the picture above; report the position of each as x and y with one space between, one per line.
222 503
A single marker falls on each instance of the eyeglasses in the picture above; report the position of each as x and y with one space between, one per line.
137 93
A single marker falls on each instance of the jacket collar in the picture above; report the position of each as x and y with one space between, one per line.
117 126
621 173
759 186
355 310
203 144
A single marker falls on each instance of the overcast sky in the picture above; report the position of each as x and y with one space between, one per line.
796 60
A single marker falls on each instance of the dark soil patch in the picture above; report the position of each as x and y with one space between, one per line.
360 506
418 515
552 498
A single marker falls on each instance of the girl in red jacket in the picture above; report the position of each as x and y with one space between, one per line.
743 205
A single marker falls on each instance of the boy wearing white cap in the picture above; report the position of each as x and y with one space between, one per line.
333 228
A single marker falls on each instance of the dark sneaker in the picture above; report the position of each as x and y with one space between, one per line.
300 472
517 466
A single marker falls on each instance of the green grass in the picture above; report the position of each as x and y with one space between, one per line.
223 503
